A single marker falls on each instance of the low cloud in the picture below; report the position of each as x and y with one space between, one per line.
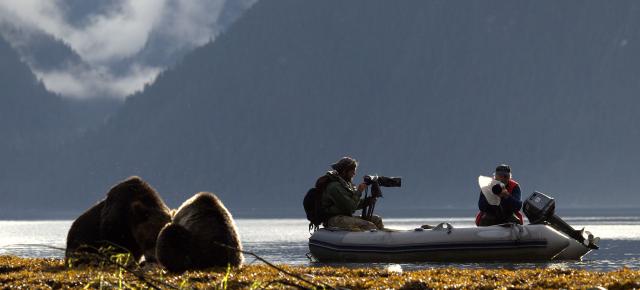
82 82
115 36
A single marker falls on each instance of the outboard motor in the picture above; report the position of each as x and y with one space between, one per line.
540 209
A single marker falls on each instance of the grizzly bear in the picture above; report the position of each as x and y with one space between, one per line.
128 219
192 239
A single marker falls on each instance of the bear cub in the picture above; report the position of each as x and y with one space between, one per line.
192 239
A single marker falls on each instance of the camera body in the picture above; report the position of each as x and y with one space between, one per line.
383 180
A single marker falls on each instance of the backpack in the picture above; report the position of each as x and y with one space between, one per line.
313 203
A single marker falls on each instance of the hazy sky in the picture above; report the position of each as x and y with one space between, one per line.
114 35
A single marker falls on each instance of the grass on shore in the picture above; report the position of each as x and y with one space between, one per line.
39 273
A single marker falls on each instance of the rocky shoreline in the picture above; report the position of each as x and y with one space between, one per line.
37 273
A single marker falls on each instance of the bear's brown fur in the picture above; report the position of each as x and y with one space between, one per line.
129 218
191 240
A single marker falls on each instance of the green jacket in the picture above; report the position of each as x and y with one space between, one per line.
340 197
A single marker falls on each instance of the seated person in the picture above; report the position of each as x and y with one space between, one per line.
341 199
508 210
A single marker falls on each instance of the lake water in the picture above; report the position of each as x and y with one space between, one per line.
284 241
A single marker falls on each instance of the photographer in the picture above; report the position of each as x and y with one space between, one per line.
341 198
508 210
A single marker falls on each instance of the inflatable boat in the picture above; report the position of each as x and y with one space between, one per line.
542 241
509 242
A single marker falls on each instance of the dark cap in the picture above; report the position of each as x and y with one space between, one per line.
503 170
344 164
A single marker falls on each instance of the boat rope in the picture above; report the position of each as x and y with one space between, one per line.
516 231
441 227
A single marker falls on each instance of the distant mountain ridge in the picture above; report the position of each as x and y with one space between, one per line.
40 50
22 92
29 118
437 92
34 126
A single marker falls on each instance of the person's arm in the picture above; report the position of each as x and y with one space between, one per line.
512 202
483 204
341 199
363 202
